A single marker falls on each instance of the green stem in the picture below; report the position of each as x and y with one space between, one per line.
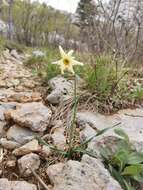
73 126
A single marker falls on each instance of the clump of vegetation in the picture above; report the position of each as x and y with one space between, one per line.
103 75
8 44
137 92
125 163
109 85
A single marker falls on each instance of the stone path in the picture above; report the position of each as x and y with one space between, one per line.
24 116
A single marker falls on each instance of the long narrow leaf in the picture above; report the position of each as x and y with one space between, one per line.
41 141
100 132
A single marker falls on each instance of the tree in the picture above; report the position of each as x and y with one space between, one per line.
86 17
10 20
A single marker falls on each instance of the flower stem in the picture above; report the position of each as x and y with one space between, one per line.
73 125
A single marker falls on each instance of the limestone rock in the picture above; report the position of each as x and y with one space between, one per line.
30 160
53 171
29 147
95 120
58 137
45 152
5 184
87 174
87 133
9 144
15 54
131 121
61 90
19 134
21 97
2 125
33 115
4 107
16 185
11 163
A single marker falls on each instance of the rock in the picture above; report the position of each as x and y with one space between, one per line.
31 146
9 144
11 164
54 170
1 154
21 97
131 121
2 125
22 185
30 160
19 134
16 185
4 107
2 110
15 54
61 89
33 115
1 173
87 174
87 133
58 137
95 120
5 184
45 152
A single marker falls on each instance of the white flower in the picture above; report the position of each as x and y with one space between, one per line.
67 61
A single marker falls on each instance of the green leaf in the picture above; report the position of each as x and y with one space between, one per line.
122 134
80 150
100 132
128 186
41 141
133 170
120 158
117 175
105 153
138 178
135 158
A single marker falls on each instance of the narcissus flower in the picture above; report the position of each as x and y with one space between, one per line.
67 61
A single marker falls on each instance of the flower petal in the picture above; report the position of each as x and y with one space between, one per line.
63 54
62 67
70 52
56 62
74 62
70 69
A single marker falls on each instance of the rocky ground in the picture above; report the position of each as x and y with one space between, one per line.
26 114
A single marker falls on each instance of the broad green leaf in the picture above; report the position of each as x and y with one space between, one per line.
135 158
133 170
122 144
120 158
122 134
